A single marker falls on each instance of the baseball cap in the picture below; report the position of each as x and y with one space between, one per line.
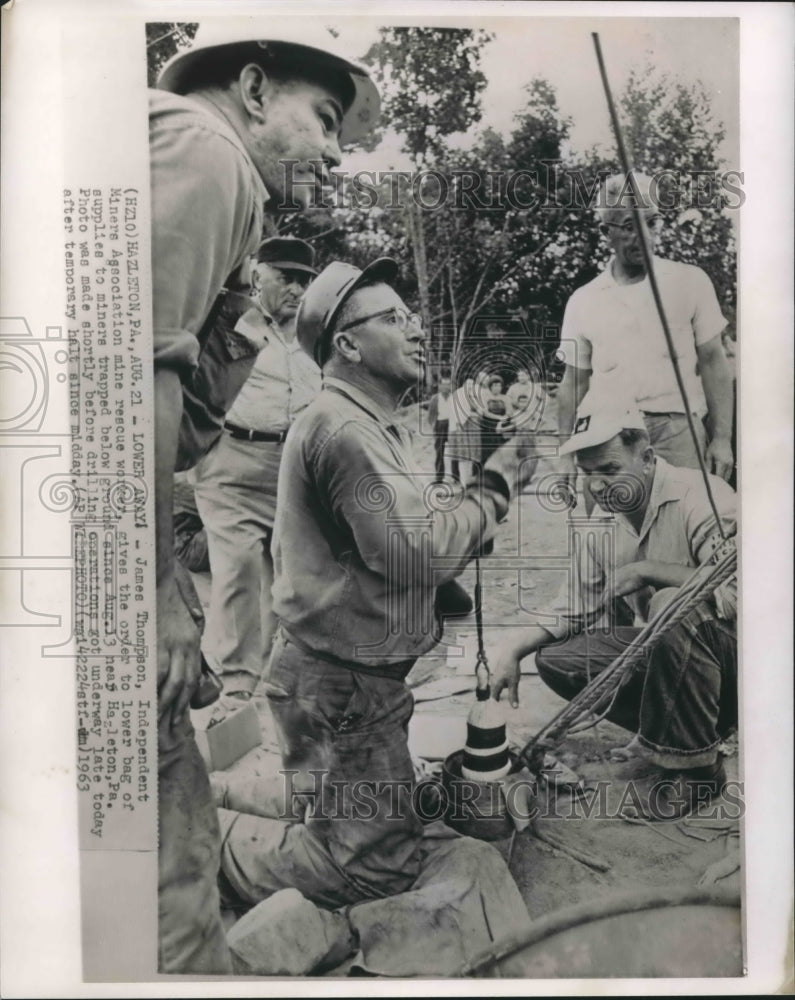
599 418
323 299
302 42
287 252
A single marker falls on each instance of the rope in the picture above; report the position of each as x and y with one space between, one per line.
637 220
598 696
479 619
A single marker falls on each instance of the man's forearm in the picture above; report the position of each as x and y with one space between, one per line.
717 384
662 574
530 639
168 414
572 389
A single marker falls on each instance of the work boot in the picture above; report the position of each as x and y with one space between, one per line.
670 795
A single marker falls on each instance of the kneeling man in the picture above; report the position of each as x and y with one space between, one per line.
683 698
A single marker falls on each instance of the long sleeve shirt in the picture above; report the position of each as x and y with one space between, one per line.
361 538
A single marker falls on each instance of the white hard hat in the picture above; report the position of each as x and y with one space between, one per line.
309 41
600 416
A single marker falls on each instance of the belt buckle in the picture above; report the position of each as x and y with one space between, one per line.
282 436
251 433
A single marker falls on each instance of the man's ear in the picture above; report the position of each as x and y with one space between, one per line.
347 347
256 90
648 456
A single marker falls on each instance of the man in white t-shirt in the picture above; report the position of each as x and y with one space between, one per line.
612 335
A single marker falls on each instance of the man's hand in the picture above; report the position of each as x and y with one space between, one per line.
178 656
506 673
720 459
565 488
627 580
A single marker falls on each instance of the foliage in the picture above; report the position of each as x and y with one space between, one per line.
503 229
431 83
163 40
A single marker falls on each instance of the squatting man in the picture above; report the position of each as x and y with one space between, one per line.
683 699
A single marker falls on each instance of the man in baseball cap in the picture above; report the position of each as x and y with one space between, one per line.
236 480
683 700
360 547
246 122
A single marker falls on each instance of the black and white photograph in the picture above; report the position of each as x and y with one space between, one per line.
409 474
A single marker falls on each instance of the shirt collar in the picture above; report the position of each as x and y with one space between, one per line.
605 279
230 130
362 400
664 489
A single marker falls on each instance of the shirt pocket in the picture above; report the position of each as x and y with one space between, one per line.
226 358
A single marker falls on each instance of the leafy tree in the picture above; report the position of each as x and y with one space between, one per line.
670 127
163 40
431 84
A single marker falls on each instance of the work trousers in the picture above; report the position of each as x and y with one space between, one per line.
349 831
191 939
680 700
671 439
236 497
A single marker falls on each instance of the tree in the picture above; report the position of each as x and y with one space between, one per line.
670 127
431 83
163 40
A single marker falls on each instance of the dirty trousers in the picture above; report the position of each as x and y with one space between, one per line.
680 700
191 939
350 834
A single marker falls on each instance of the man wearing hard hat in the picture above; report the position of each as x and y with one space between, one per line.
360 548
681 700
247 121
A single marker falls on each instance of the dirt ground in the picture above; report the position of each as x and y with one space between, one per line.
533 543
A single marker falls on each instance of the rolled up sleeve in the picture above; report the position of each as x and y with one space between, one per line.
367 486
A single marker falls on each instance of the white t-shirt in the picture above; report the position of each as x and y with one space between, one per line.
614 331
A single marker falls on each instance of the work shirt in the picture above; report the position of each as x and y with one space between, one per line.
282 383
207 215
615 332
678 527
359 548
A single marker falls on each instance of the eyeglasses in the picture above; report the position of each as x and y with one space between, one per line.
400 317
655 224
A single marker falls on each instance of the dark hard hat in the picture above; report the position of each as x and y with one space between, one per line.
287 252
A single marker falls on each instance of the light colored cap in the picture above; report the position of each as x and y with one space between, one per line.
325 297
600 417
308 42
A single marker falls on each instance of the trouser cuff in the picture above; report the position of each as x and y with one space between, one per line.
239 681
674 759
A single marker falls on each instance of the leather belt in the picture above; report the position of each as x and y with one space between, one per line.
246 434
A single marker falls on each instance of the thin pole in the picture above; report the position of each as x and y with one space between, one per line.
637 220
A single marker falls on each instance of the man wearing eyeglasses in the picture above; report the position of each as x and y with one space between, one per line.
612 335
360 548
236 480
